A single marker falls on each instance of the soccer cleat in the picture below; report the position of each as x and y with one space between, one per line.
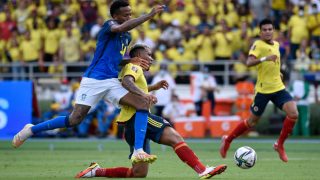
224 146
18 140
89 172
212 171
143 157
282 153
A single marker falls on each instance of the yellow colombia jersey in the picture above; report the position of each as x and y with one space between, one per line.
269 79
140 81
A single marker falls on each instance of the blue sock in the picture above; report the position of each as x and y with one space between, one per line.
58 122
140 128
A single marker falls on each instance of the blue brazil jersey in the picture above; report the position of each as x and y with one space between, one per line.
110 50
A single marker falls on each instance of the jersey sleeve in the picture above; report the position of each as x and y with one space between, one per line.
254 50
107 26
132 70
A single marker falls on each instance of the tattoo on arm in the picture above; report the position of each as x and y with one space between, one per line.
128 83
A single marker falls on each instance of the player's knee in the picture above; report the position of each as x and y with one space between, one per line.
75 119
142 104
175 138
252 121
293 115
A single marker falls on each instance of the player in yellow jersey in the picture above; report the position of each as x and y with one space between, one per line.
265 55
158 129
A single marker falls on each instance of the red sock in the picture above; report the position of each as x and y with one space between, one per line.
188 156
287 127
240 129
123 172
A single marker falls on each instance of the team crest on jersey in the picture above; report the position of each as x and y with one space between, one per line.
135 69
83 97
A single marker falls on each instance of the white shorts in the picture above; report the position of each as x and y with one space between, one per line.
91 91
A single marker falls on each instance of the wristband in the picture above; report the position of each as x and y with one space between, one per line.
263 59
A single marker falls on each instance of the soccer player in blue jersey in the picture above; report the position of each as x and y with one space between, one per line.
101 80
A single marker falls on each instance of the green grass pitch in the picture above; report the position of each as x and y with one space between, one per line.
62 159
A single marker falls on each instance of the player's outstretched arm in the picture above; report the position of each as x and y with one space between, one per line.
161 84
132 23
252 60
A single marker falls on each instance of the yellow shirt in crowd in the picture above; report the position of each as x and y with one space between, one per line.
299 30
269 79
51 41
314 23
71 49
29 52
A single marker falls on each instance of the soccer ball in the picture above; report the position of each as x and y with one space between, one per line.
245 157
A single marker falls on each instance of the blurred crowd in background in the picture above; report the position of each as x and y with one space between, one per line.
188 32
206 31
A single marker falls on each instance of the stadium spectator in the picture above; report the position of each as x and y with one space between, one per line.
173 109
163 96
303 57
30 51
300 92
96 28
205 86
87 45
51 38
13 55
314 23
143 39
89 12
7 27
297 31
172 34
205 47
69 50
64 97
20 15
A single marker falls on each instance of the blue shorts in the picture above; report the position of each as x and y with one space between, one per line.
278 98
154 132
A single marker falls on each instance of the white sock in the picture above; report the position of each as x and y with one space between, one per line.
140 150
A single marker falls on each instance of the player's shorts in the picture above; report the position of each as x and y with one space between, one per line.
278 98
91 91
154 132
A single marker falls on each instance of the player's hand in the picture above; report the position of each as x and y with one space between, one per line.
272 58
140 62
161 84
156 10
151 99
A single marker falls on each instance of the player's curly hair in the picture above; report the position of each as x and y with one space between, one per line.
135 48
116 5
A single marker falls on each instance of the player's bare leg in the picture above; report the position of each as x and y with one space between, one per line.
78 114
172 138
139 103
240 129
292 115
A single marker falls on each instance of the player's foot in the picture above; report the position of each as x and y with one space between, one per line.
142 157
282 153
22 136
89 172
224 146
212 171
